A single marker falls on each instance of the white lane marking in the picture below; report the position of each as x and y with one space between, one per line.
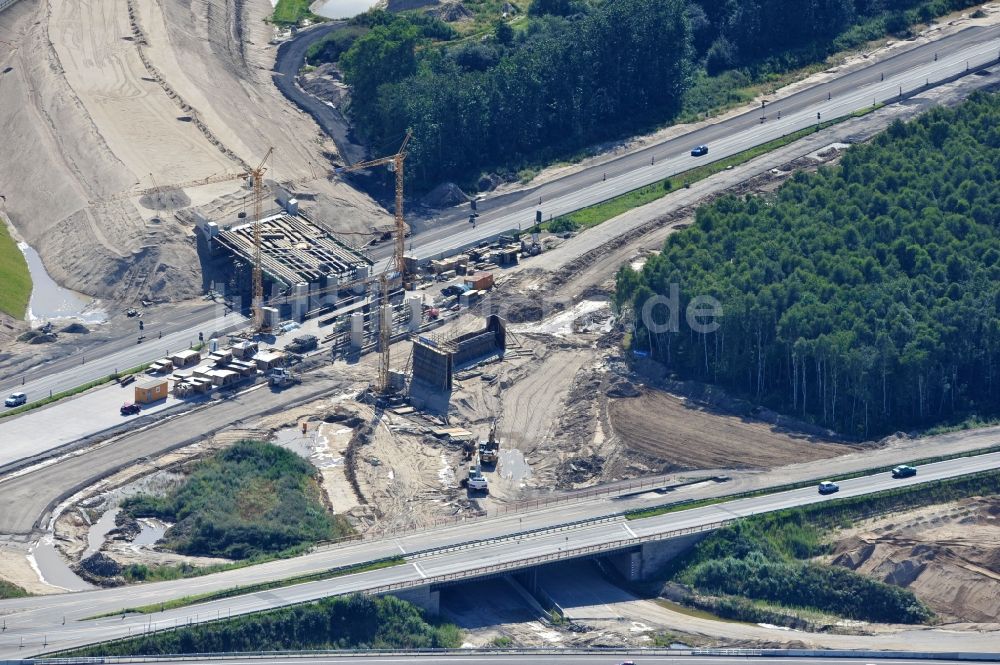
627 528
400 546
416 567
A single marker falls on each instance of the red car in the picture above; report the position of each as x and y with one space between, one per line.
129 409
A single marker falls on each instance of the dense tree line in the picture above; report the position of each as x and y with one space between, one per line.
577 72
776 34
354 622
248 500
560 83
865 296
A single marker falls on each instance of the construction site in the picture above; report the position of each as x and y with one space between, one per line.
424 392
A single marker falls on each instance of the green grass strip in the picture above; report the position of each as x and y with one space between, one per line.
81 389
601 212
293 12
55 397
643 513
209 596
15 280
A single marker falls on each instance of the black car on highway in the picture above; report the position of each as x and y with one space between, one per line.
699 151
903 471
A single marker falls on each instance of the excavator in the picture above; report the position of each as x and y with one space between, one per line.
489 450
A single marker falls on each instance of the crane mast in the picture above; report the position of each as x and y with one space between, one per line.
257 303
396 263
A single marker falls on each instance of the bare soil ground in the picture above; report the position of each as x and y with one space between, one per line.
687 435
948 555
108 97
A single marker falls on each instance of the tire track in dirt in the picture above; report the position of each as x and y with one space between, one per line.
668 428
140 40
532 405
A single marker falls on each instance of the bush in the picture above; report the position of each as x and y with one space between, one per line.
798 584
563 225
8 590
246 501
766 557
352 622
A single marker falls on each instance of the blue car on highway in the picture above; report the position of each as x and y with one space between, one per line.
827 487
699 151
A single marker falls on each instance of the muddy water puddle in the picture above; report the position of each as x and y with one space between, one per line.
339 9
513 466
51 301
313 445
52 568
152 531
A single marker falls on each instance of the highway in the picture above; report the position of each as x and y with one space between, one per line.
445 554
122 352
880 82
612 657
449 231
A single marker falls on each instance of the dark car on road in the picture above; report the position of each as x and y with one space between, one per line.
699 151
827 487
903 471
129 409
17 399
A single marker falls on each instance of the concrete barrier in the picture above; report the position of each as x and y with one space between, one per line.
708 654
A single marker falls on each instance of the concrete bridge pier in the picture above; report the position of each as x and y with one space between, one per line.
647 560
424 597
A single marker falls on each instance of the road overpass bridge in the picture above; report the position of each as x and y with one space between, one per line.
637 547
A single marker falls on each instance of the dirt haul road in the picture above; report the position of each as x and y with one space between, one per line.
108 97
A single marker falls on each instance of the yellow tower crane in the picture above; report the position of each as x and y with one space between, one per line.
396 263
257 304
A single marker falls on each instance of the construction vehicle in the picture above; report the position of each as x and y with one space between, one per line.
302 344
489 450
476 481
279 377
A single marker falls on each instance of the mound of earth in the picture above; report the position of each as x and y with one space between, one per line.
76 328
36 337
451 12
165 199
948 555
99 569
445 195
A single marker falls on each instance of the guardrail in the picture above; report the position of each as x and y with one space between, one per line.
543 651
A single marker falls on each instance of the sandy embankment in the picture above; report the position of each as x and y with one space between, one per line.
107 97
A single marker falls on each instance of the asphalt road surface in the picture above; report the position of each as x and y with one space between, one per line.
562 659
880 82
291 57
460 552
35 492
450 231
123 352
